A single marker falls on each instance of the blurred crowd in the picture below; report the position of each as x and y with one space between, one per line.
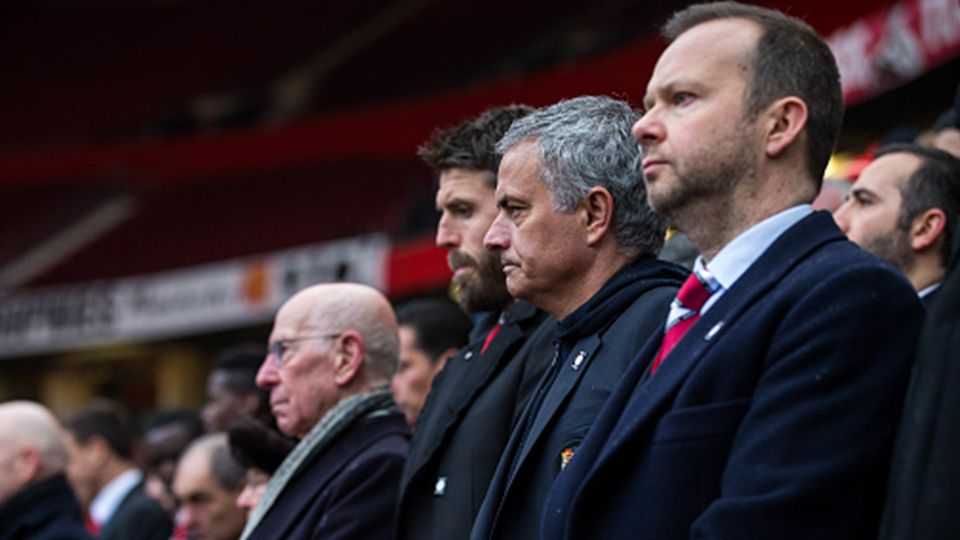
664 325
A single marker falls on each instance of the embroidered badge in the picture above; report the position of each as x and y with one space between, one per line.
566 456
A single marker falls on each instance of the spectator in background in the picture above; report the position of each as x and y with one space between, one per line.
36 502
478 396
770 407
431 330
925 478
207 482
577 239
232 389
904 209
104 475
260 450
166 437
333 349
947 129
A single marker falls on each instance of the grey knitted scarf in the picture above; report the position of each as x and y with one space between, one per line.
344 414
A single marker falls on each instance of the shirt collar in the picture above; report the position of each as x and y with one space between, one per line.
744 250
925 292
105 504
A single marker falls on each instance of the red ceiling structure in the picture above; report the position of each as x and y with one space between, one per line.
172 107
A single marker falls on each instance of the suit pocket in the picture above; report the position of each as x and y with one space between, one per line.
701 422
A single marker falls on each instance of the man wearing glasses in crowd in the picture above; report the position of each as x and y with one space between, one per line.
332 351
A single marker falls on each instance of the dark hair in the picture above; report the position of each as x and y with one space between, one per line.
790 59
254 444
189 419
107 420
935 184
240 364
439 325
470 145
243 361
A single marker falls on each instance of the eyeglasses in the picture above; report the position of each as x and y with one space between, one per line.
278 349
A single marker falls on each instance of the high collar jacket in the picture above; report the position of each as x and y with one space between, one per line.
466 421
595 345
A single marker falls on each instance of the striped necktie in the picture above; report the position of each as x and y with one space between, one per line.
685 311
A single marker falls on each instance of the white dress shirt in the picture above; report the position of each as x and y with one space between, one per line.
105 504
744 250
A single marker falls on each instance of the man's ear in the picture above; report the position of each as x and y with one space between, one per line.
927 228
348 357
785 120
596 209
26 464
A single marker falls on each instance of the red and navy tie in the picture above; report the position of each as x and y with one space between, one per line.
685 311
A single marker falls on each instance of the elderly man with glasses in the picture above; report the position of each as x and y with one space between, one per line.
332 352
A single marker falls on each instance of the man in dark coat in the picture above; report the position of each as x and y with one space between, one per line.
902 209
478 396
577 239
770 407
36 502
103 474
332 350
925 479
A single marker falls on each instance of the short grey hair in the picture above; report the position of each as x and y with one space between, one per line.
586 142
225 469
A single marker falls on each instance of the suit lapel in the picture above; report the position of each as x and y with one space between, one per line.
654 393
570 371
476 372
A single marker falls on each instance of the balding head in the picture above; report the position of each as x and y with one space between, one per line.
207 482
328 342
31 446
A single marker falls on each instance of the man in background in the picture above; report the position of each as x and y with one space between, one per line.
36 501
208 481
904 208
232 390
431 330
106 479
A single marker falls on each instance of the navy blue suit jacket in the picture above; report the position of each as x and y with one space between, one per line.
349 489
774 416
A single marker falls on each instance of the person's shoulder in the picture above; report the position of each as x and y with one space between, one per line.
139 512
382 437
845 261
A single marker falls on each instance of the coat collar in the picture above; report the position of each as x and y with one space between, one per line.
473 375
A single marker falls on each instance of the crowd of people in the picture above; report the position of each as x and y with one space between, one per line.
793 381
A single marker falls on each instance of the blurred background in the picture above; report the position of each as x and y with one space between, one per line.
172 170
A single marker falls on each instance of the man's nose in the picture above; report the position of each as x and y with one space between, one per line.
267 374
648 129
498 235
447 235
